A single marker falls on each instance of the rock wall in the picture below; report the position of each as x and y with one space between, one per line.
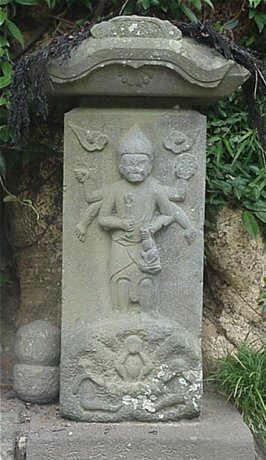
236 266
36 241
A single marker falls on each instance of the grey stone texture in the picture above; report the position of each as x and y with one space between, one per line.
234 280
144 56
37 352
38 343
132 264
219 434
10 416
37 384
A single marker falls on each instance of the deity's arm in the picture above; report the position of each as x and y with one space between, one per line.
106 217
180 216
177 193
82 176
165 218
96 195
147 365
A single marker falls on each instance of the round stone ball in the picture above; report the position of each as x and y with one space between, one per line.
36 384
38 343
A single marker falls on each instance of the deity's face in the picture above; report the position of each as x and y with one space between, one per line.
135 167
133 344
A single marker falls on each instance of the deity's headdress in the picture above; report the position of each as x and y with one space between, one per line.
136 142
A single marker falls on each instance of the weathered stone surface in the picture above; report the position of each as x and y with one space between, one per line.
38 343
219 434
136 55
10 414
37 351
233 282
37 384
37 243
132 275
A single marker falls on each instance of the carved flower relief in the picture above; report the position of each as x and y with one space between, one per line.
89 139
135 77
185 166
177 142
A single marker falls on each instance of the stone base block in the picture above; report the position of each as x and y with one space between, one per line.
219 434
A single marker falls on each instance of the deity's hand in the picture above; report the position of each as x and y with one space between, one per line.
128 225
81 175
80 232
151 229
190 235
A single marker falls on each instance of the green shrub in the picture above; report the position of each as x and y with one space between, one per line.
243 378
236 165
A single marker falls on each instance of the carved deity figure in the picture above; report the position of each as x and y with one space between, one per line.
133 210
133 364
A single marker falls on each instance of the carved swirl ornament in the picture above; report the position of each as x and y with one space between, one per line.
89 139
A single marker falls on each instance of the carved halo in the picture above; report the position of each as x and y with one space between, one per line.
185 166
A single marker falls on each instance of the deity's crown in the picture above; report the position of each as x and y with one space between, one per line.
134 141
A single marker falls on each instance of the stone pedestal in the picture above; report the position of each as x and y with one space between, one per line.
219 434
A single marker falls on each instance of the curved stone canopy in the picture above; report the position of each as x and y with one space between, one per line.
143 56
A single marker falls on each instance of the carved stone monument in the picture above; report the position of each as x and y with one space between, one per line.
133 221
133 271
133 225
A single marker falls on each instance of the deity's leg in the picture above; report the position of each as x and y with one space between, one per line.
120 293
147 294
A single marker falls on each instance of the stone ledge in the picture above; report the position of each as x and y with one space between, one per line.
219 434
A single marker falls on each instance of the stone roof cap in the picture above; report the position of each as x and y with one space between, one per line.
135 55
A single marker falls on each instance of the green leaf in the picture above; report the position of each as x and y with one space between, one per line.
3 16
4 2
258 206
4 133
3 41
6 68
250 224
129 8
5 81
87 4
145 3
2 164
251 14
197 4
15 32
9 198
3 101
261 216
209 3
188 13
254 3
260 20
230 25
27 2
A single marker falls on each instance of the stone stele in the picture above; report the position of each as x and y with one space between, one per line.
133 218
133 222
